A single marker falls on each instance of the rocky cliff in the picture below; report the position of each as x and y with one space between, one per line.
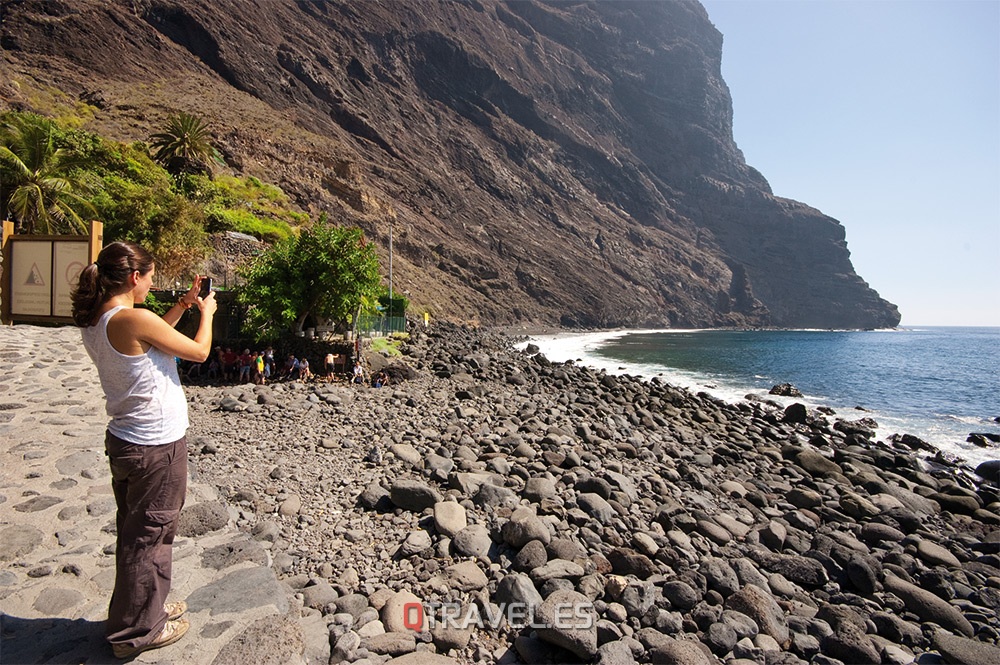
542 162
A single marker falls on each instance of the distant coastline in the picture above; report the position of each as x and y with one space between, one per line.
915 401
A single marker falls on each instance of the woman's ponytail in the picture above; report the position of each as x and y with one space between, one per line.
87 296
106 278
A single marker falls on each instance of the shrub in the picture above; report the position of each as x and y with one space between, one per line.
228 219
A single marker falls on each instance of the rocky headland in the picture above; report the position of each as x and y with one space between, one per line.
535 512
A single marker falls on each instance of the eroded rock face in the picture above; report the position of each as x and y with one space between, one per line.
563 163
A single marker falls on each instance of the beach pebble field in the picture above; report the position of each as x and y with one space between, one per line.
499 508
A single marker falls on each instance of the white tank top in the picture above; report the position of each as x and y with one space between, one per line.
145 399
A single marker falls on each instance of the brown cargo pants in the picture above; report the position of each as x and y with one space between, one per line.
149 483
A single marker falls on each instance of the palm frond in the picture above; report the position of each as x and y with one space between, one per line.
44 195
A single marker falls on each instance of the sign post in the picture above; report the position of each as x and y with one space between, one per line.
8 233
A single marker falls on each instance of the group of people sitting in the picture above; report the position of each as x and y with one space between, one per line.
225 365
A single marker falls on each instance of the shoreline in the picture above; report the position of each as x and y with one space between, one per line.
677 527
947 433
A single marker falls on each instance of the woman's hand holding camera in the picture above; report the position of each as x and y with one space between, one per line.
200 294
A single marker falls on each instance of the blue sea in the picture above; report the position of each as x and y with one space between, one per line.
936 383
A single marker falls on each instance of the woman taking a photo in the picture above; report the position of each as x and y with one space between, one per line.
134 351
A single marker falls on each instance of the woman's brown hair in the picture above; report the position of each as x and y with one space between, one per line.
106 278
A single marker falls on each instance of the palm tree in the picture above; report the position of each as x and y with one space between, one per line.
185 145
38 187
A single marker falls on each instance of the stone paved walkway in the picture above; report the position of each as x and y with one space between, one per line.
57 531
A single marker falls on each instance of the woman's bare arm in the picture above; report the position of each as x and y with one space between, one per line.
133 331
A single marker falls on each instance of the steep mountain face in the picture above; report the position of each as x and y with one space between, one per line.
546 162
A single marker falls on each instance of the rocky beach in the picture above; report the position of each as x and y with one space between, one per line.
490 506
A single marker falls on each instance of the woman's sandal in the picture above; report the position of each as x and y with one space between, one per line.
175 610
172 631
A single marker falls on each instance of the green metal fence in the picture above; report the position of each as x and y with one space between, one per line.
378 323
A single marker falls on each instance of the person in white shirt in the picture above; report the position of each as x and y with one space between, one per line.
134 351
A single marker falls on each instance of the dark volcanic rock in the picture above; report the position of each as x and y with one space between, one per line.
629 562
851 645
574 630
681 595
801 570
928 606
795 413
272 639
989 470
817 464
202 518
680 652
680 539
964 650
762 608
784 390
413 495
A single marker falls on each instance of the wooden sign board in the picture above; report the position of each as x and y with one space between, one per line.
40 273
31 279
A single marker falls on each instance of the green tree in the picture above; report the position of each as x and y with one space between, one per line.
395 306
185 145
40 186
327 272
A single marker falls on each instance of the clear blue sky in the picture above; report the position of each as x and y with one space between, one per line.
884 114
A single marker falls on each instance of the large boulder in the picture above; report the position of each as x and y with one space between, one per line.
784 390
680 652
473 540
990 470
449 517
465 576
202 518
400 613
963 650
928 606
567 619
413 495
518 589
764 610
271 639
816 464
625 561
523 527
595 506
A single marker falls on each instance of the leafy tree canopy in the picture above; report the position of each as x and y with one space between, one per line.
327 272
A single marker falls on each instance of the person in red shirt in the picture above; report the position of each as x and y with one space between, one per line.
229 364
246 362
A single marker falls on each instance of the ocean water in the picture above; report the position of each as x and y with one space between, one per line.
936 383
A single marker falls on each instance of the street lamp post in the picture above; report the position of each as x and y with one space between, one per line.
391 302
